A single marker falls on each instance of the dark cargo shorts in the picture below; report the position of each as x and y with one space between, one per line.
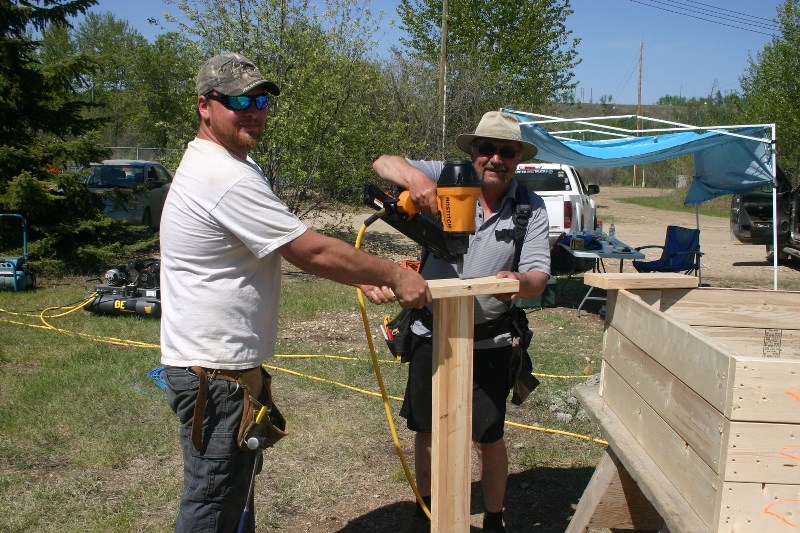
490 388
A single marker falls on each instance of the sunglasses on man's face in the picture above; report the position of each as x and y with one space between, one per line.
241 102
489 149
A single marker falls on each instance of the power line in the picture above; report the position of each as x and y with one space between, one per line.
732 16
627 79
771 34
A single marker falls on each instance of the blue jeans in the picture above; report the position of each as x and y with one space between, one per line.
217 477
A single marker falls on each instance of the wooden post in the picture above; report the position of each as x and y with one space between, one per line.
453 310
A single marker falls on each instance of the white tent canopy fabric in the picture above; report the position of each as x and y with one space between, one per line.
727 159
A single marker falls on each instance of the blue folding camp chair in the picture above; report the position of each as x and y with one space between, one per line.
680 253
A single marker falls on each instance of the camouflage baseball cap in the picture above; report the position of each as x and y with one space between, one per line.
232 74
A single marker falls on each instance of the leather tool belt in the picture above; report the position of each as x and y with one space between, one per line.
268 431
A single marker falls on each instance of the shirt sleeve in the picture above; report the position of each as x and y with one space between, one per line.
257 217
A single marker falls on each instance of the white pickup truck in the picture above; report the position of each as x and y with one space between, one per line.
569 206
570 209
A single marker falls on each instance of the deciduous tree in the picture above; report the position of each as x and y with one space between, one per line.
499 53
329 121
770 86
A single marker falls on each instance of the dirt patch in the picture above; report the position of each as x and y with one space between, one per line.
725 262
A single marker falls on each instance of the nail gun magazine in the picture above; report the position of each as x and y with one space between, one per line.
131 289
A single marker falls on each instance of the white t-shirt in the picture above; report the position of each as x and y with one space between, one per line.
220 275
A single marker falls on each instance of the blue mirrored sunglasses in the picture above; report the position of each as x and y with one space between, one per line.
241 102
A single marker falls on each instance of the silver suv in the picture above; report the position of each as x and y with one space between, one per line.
132 190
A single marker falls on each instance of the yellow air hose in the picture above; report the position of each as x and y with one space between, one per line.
379 377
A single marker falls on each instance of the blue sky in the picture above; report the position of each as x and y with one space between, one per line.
689 47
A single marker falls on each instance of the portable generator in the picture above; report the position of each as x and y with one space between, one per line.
129 289
14 271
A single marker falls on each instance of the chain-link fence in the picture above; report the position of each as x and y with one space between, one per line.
147 154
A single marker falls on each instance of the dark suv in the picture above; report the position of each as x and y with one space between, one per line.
751 218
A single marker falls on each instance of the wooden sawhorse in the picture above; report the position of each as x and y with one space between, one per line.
628 490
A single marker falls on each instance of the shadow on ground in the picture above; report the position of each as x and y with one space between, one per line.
539 499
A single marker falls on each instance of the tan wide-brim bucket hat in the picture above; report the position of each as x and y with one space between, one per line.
497 125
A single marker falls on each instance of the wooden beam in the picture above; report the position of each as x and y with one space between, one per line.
609 281
448 288
655 486
453 324
696 421
697 360
452 414
612 499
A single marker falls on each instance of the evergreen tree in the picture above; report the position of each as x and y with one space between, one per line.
44 130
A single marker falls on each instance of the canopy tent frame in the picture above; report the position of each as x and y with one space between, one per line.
534 123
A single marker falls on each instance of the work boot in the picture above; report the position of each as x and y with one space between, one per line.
493 522
420 523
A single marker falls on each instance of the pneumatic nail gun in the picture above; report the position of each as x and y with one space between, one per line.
446 235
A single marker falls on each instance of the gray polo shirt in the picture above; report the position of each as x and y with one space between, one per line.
489 254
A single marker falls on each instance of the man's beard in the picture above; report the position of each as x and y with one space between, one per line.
250 141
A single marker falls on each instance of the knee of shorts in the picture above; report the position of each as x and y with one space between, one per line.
489 435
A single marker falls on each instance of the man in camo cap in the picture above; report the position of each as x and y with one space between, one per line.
232 74
224 234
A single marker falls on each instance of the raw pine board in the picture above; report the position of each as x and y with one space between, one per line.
743 388
675 387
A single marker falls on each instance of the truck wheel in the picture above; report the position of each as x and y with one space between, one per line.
783 257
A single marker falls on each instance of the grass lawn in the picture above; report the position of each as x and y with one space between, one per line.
87 442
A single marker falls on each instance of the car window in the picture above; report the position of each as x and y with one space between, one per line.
162 174
115 176
544 179
134 175
579 182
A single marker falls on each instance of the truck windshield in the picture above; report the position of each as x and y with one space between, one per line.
543 179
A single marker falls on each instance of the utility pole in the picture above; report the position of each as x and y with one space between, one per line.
639 110
442 103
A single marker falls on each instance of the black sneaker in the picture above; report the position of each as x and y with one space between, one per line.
493 523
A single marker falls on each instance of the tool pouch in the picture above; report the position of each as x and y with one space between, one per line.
400 326
521 377
521 373
272 428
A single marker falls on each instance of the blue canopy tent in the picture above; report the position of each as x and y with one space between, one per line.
727 159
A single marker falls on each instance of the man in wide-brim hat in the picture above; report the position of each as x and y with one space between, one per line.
495 148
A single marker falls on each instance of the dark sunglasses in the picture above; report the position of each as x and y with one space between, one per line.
241 102
489 149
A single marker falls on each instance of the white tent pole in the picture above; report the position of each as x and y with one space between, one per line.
774 212
699 257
